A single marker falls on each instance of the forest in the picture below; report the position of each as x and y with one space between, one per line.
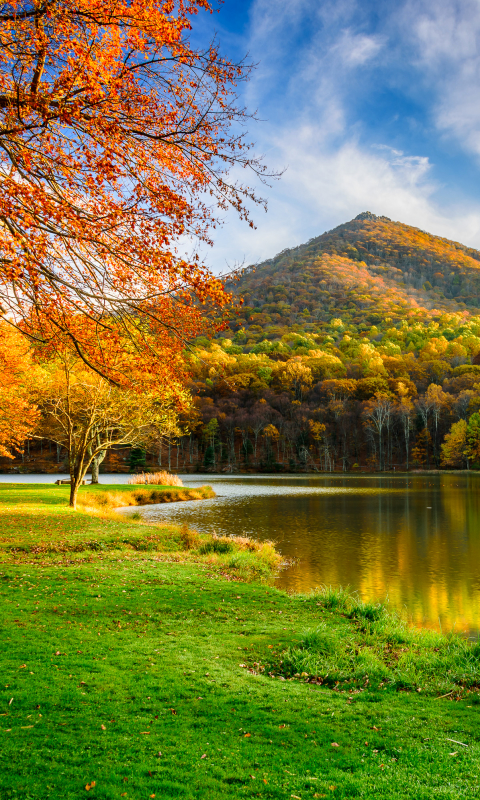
357 351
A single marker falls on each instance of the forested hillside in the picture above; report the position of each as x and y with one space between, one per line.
357 350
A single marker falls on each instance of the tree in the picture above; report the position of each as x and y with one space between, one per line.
87 414
84 413
114 132
377 414
453 448
472 448
297 376
438 401
404 410
424 406
18 412
210 432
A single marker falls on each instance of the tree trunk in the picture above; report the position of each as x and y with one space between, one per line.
75 483
96 465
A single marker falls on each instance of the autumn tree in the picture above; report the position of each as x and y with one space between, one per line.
453 448
404 411
87 414
437 401
472 444
18 412
377 413
117 137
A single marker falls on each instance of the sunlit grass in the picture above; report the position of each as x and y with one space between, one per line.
132 659
369 645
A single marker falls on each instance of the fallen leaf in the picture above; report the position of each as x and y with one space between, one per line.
375 728
247 735
453 754
152 795
264 780
334 744
204 755
90 786
103 727
144 733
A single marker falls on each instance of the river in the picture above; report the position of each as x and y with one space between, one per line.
413 540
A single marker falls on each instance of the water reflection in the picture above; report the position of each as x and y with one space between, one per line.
413 539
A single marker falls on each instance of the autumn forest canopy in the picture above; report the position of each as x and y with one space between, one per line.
358 349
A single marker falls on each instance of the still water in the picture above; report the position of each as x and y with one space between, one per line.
414 540
411 539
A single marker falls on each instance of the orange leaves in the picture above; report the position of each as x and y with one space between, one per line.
18 413
90 786
105 168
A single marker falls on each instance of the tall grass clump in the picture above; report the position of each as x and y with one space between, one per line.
161 478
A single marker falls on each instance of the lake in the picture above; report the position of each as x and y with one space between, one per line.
411 539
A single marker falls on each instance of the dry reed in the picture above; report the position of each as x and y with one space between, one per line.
158 478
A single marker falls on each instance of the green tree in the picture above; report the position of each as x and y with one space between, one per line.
472 449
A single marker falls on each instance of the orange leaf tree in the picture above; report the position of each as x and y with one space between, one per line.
18 413
117 137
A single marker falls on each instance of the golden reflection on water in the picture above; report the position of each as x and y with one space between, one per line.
412 539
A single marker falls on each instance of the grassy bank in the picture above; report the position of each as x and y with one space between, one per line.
143 673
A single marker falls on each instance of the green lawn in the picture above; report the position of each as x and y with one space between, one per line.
139 671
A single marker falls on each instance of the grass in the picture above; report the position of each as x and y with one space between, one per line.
370 646
100 497
138 674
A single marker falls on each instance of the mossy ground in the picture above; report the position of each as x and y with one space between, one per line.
135 676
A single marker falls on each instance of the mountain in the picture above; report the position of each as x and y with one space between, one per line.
357 350
363 270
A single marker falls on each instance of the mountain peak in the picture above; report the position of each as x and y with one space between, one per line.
369 215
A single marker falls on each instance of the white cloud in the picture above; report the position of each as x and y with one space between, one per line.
308 87
444 39
354 50
323 188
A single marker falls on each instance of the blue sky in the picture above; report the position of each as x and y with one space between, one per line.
367 105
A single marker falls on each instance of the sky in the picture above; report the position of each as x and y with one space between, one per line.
364 106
